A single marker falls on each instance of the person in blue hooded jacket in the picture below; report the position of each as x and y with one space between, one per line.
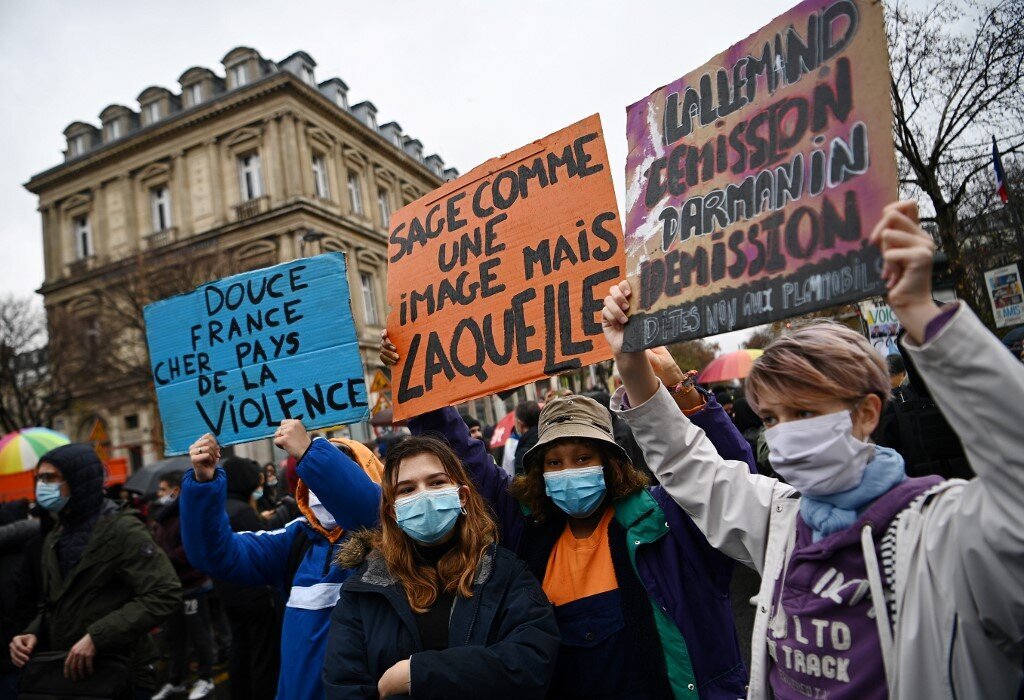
338 492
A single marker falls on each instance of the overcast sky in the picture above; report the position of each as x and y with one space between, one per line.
471 80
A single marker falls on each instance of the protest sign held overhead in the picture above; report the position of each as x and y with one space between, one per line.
753 182
883 326
497 279
237 356
1006 295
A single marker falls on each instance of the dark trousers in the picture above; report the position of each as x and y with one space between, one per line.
255 650
191 623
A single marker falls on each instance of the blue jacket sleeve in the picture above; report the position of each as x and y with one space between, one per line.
491 480
346 673
341 485
245 558
519 664
718 426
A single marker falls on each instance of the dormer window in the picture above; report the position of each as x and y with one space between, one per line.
114 130
371 120
152 112
239 75
78 145
341 99
195 93
307 75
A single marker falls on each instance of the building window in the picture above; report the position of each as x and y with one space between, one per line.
240 75
78 145
355 193
369 299
307 75
249 176
83 237
384 203
195 93
114 130
341 99
371 120
320 177
160 201
152 112
131 421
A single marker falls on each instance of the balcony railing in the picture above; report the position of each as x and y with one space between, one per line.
83 265
247 210
161 238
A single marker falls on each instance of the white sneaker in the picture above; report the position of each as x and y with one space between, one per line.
168 690
201 689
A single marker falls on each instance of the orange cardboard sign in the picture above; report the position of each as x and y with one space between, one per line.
497 279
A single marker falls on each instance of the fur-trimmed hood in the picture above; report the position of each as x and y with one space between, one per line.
361 549
354 551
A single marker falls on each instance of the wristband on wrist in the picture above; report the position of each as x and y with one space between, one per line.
685 386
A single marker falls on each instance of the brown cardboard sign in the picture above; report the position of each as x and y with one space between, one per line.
753 182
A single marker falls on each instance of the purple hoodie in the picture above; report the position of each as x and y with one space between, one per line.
823 643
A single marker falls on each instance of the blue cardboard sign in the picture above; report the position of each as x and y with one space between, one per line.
237 356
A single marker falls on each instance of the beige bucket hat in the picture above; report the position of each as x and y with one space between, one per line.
573 417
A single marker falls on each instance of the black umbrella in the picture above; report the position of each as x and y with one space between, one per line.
146 480
1014 336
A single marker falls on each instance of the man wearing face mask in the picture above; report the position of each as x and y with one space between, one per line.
337 492
106 584
191 623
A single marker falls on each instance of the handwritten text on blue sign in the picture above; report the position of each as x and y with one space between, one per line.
237 356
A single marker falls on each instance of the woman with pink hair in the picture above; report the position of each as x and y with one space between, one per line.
874 584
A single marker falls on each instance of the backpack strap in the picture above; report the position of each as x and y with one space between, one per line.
301 544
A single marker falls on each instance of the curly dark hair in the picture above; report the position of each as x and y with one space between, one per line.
621 478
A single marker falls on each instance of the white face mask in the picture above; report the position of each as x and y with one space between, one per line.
321 513
819 456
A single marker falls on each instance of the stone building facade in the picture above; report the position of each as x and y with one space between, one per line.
257 166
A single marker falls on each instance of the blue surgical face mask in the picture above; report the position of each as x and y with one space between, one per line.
49 497
258 493
578 492
429 515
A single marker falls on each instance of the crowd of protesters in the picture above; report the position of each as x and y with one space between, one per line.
592 556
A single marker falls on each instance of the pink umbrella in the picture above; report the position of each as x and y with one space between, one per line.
733 365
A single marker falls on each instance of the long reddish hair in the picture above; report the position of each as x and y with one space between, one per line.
474 531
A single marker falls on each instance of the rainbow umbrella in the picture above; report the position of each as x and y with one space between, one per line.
733 365
20 451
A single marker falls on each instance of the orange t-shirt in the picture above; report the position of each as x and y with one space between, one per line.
579 568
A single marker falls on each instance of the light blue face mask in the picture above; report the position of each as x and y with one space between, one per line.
429 515
578 492
258 493
48 496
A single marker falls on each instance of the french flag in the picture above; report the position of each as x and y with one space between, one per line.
1004 195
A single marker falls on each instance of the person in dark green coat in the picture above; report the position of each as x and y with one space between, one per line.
106 583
